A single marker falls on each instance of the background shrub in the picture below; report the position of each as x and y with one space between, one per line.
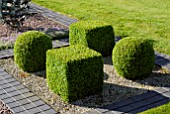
74 72
93 34
133 58
30 50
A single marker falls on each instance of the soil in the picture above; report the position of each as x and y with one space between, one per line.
33 22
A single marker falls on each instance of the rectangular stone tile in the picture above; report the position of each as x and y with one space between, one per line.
44 107
15 83
14 93
29 106
125 109
19 97
24 112
33 98
113 112
13 104
3 81
91 112
110 106
29 94
18 87
1 70
4 96
51 111
34 110
38 103
11 79
8 100
2 91
159 103
5 75
24 101
24 90
18 109
101 110
124 102
144 95
138 110
7 85
10 89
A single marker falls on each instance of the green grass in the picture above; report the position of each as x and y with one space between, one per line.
164 109
130 18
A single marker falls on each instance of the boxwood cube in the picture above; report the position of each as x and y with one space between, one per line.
74 72
96 35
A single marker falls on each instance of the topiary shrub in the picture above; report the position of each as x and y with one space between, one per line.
133 58
74 72
93 34
30 50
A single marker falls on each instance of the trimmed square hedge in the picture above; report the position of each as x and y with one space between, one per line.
74 72
96 35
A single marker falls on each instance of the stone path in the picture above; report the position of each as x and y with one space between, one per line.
19 98
23 101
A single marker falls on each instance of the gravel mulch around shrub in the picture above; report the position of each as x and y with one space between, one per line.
4 109
115 88
33 22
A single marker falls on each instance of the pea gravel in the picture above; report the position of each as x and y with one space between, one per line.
115 88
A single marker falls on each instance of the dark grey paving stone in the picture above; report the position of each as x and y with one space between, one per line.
18 109
164 101
24 101
124 102
8 100
14 93
125 109
3 81
138 110
24 90
110 106
5 75
18 87
18 97
33 98
144 96
50 111
11 79
29 94
10 89
24 112
15 83
2 91
7 85
13 104
44 107
39 103
4 96
148 101
29 106
34 110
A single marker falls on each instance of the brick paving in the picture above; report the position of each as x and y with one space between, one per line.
23 101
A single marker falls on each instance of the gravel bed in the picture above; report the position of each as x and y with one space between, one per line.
4 109
33 22
115 88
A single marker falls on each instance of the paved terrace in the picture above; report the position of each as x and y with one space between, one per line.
23 101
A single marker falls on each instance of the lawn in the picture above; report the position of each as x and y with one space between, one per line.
130 18
164 109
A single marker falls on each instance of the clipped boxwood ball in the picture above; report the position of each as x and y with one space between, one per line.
30 50
133 58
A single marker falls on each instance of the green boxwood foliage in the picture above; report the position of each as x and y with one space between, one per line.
30 50
96 35
74 72
133 58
